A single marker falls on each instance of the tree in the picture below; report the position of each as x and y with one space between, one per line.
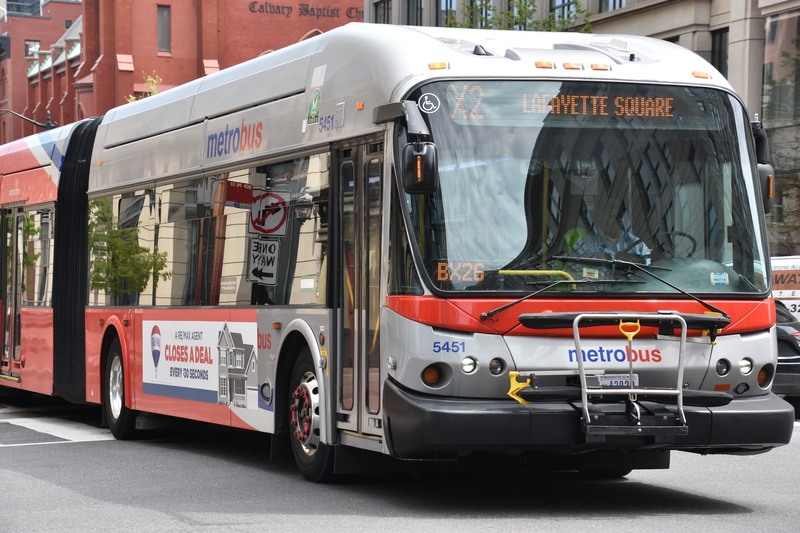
520 16
152 86
118 264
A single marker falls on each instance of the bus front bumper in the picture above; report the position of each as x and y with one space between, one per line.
419 425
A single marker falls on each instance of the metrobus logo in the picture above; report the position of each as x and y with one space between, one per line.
234 139
619 355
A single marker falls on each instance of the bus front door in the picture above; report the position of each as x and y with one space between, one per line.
359 369
13 227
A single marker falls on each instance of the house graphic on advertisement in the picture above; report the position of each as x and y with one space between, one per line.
238 364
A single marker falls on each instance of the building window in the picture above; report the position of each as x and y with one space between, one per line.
24 7
780 115
719 51
611 5
383 12
223 387
772 29
415 12
447 12
480 13
562 8
164 29
32 48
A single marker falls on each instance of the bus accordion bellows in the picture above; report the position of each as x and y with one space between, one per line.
515 249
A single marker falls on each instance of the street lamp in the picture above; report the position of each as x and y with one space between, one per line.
47 125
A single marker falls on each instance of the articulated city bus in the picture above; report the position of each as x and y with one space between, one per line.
393 243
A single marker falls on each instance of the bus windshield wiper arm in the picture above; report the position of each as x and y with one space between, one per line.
550 285
643 268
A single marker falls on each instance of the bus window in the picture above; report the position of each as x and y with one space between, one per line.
123 262
290 216
38 258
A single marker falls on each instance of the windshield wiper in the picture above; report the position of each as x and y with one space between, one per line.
642 268
550 285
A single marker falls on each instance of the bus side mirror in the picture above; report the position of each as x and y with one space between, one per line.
420 168
766 174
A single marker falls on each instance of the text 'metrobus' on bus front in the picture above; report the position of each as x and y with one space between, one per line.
411 242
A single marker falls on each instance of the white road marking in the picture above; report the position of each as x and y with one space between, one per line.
64 429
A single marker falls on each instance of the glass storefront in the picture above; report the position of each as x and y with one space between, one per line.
781 118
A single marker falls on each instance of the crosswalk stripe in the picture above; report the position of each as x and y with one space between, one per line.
63 429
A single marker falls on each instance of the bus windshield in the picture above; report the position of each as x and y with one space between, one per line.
546 181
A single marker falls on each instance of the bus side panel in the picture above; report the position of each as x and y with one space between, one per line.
36 344
195 363
35 186
98 324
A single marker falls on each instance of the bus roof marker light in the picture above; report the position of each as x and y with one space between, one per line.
600 66
544 64
438 66
573 66
699 74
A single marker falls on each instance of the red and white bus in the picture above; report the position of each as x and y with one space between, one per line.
400 243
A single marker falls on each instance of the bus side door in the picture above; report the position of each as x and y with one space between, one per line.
359 371
13 224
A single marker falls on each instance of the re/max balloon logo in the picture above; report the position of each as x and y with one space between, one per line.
233 140
617 354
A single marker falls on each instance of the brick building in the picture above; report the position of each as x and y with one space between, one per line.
33 33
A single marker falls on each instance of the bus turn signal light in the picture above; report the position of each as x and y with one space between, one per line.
432 375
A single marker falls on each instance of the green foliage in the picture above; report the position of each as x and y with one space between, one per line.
29 230
519 16
152 86
118 263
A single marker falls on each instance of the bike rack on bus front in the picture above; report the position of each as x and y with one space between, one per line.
666 321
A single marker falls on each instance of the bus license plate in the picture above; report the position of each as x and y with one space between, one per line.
618 380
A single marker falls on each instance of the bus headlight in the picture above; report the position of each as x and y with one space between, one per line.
469 365
723 367
746 366
497 366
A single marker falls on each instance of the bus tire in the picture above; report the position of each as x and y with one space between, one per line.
314 459
121 420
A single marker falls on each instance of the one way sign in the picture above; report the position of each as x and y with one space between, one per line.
262 264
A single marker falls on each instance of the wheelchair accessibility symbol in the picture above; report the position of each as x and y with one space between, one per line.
428 103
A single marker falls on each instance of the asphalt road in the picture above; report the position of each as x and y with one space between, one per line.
60 472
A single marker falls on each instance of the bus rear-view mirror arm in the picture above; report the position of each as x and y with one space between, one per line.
766 174
419 166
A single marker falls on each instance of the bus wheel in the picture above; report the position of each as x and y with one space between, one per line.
121 420
314 459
